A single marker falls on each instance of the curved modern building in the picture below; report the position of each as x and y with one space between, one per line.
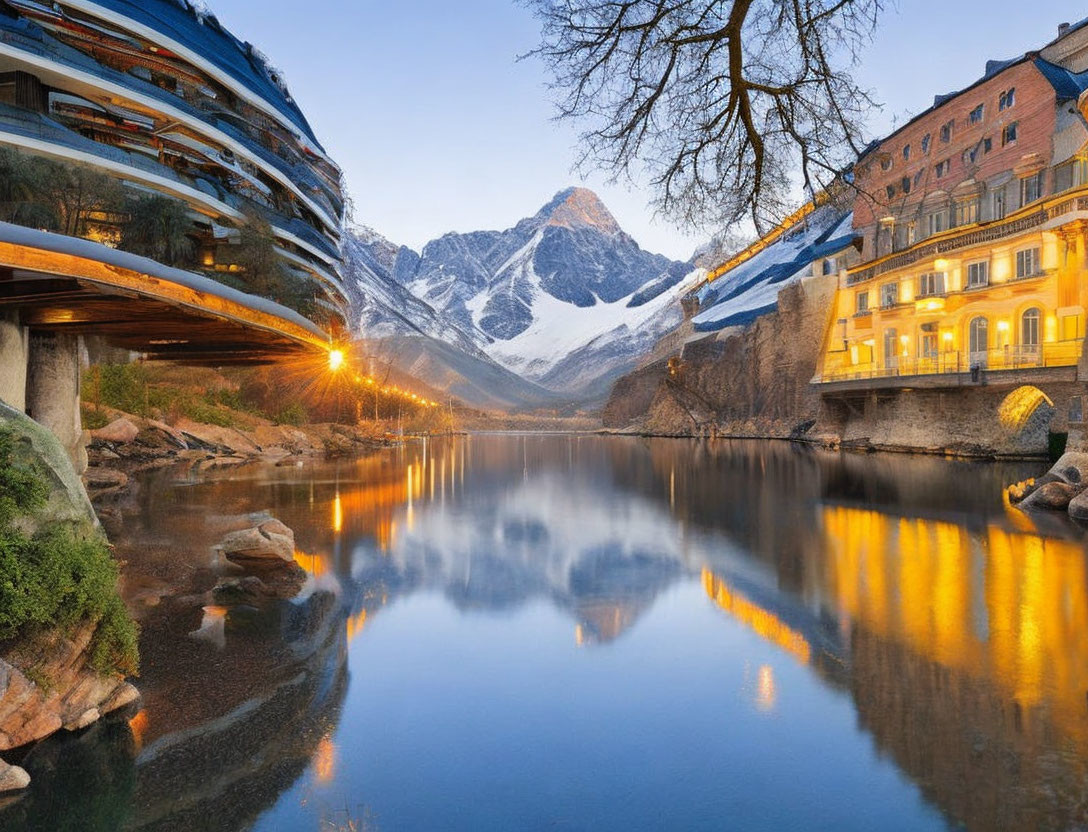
158 95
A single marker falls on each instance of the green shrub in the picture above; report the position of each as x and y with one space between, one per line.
60 576
292 414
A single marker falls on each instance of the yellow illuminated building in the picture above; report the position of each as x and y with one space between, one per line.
1012 303
971 220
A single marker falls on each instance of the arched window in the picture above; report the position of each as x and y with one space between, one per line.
891 349
978 341
1029 330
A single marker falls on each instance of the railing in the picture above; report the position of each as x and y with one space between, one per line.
996 230
955 362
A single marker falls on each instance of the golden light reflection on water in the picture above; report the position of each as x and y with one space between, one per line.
325 760
1006 606
766 689
763 622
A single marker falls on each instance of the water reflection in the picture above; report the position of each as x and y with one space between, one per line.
647 580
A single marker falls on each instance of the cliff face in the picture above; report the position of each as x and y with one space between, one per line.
752 381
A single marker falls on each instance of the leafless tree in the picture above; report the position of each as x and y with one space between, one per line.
726 105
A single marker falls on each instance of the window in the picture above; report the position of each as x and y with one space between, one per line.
931 283
969 156
1076 409
978 274
978 340
891 349
977 113
890 191
946 131
1028 263
910 232
927 345
943 168
1006 99
904 184
862 303
886 163
1072 174
889 295
926 139
906 153
1031 187
987 145
1008 135
918 178
936 222
831 265
999 204
966 212
1029 330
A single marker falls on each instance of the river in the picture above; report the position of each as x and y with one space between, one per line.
564 632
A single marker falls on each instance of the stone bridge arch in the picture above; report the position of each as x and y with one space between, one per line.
1025 415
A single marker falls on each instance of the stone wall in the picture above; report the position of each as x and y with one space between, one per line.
13 356
966 421
750 381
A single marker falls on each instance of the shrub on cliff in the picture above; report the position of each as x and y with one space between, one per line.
58 577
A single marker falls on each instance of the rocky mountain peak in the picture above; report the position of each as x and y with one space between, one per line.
579 208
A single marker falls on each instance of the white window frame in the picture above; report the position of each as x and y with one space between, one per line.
979 267
931 284
889 295
1031 256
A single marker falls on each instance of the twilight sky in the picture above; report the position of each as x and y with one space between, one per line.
438 128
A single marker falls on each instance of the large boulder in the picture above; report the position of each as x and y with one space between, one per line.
120 431
269 545
1051 496
34 445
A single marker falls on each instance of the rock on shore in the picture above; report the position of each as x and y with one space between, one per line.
1063 488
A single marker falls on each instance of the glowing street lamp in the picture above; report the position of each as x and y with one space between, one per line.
336 360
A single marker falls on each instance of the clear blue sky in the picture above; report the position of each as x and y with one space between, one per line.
439 129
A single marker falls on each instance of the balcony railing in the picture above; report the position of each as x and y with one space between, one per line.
955 362
1026 220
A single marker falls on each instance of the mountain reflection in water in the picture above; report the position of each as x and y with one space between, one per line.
591 632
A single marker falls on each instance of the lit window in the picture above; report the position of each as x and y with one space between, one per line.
966 212
977 113
931 284
1029 329
1008 135
889 295
1006 99
978 274
1028 263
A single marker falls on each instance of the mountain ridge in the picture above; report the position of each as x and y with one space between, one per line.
564 299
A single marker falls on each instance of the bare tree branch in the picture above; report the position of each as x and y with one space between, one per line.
725 104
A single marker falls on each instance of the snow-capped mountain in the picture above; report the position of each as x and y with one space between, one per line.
565 299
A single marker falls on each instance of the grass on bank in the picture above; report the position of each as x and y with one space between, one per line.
59 576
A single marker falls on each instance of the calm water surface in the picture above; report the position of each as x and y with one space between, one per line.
552 632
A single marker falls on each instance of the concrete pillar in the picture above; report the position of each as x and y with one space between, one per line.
52 390
13 354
